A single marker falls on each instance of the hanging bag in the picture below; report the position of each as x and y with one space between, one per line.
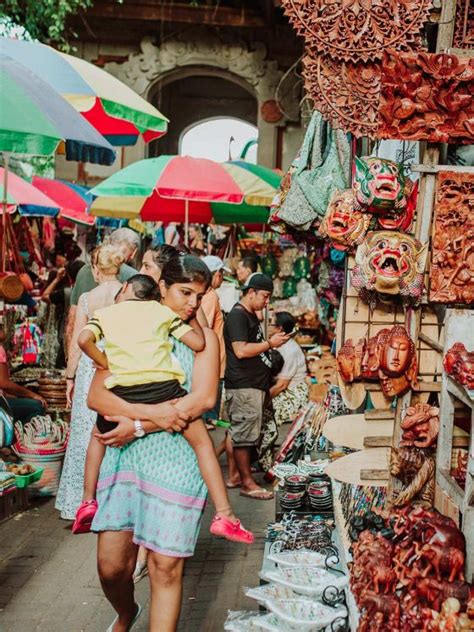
296 209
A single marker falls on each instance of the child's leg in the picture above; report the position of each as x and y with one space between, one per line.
95 454
198 438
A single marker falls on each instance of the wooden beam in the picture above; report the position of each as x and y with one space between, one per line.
147 10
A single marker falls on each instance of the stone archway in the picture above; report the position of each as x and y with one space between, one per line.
199 50
197 95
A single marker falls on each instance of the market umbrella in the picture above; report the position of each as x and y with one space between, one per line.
25 197
113 108
167 188
36 120
255 207
73 200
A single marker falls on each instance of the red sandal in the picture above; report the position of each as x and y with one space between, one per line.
84 516
233 531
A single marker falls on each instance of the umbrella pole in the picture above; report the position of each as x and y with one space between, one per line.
3 245
186 223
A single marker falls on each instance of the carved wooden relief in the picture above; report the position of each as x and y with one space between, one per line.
346 94
358 30
464 26
452 264
427 97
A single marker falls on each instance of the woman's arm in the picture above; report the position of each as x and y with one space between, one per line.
16 390
168 416
280 385
46 296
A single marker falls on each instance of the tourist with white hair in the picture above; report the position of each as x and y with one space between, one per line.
127 242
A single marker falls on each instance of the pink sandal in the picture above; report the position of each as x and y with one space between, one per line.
233 531
84 516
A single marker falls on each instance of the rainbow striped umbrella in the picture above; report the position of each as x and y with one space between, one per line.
26 198
73 200
254 209
109 105
181 188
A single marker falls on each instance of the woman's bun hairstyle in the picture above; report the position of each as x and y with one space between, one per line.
108 258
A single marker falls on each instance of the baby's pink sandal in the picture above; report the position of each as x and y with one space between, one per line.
233 531
84 516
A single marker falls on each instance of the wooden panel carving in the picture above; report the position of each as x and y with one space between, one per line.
464 27
427 97
358 30
346 94
452 265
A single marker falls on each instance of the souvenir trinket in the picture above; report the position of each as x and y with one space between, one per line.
452 263
379 186
420 426
388 264
343 225
416 471
358 31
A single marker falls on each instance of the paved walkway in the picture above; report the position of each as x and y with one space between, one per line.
48 580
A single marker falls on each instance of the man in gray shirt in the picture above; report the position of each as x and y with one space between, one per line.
124 238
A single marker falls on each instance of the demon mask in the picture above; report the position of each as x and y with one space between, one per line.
344 226
379 186
397 361
459 363
389 263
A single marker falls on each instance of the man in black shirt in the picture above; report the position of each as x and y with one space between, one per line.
247 375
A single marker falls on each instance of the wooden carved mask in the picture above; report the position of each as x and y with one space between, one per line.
389 263
379 186
349 360
397 361
344 226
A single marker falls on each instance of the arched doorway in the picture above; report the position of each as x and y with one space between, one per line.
230 138
192 96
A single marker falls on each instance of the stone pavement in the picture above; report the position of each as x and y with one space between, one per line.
48 580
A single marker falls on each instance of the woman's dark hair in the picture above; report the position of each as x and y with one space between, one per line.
72 269
186 269
286 321
144 287
162 254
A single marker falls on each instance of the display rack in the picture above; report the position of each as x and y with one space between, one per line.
459 326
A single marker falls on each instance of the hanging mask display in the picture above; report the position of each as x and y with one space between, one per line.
389 263
402 221
343 225
379 186
370 361
397 361
349 360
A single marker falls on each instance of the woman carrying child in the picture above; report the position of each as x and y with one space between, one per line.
105 261
151 491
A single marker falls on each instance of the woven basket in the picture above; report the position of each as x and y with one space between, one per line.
11 287
42 443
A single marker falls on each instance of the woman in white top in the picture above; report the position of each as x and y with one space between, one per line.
105 261
290 391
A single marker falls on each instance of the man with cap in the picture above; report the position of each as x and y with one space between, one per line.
211 307
247 376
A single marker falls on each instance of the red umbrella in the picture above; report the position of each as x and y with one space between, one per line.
73 204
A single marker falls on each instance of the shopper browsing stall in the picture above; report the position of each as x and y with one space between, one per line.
247 375
290 391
